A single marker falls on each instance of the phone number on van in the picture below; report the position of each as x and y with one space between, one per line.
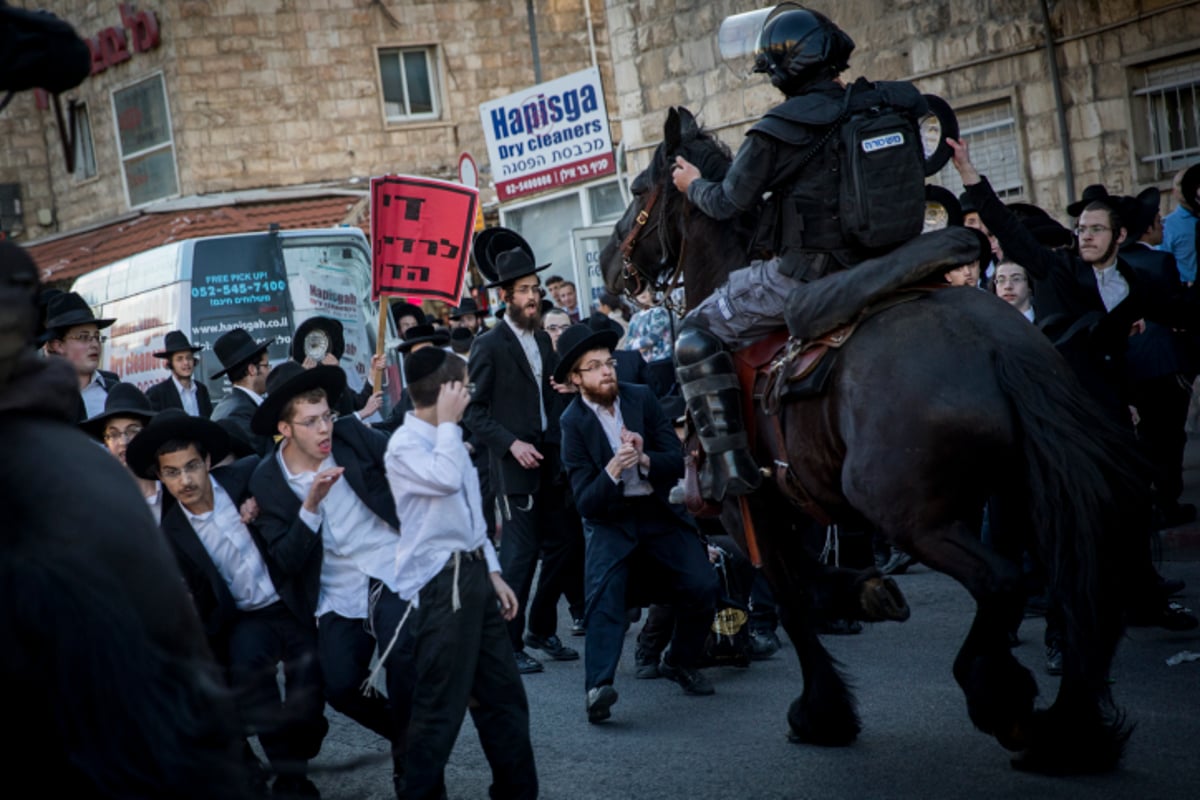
234 289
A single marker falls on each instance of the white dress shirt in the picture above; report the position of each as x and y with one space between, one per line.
229 544
358 544
437 496
155 502
534 356
188 397
1112 285
612 422
94 395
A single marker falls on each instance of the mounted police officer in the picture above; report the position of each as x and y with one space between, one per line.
797 153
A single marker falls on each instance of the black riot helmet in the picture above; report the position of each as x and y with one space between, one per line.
798 46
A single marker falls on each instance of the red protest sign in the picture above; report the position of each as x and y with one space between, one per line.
420 236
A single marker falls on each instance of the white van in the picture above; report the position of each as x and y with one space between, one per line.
267 283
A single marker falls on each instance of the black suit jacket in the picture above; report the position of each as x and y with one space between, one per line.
586 452
214 602
1159 351
239 409
165 395
504 407
295 547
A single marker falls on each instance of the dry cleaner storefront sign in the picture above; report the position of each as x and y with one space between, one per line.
553 134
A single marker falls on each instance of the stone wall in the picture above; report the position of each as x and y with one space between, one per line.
967 51
268 93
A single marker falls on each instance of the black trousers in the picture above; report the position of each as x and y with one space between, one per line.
345 649
400 664
1162 405
290 731
460 656
534 530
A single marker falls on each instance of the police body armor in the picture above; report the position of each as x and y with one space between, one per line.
805 224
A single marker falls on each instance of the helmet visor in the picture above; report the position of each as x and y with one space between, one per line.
737 39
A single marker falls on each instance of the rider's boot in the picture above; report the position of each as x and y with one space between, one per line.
710 387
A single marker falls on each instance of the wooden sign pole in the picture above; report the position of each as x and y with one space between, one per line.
380 340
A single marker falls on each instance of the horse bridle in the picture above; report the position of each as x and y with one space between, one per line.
635 282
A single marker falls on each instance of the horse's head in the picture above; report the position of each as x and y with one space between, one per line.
645 247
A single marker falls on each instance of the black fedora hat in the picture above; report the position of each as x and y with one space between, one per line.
460 340
967 204
175 342
124 400
174 423
942 208
1189 186
423 334
467 306
288 380
503 256
69 309
401 310
1048 231
237 347
575 342
1095 193
327 336
985 249
1138 213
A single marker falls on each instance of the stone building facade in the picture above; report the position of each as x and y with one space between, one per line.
238 95
1129 81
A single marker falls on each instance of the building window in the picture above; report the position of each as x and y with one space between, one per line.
410 85
145 141
990 131
1169 100
85 152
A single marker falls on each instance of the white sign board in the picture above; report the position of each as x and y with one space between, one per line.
551 135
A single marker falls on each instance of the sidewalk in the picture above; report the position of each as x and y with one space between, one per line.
1183 543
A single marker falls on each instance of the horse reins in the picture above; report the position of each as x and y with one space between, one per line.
634 279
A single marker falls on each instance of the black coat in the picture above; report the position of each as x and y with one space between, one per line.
295 547
1159 351
239 409
165 395
214 602
504 407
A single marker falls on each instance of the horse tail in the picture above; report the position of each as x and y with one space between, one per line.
1085 487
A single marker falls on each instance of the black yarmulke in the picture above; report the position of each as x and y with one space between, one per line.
423 362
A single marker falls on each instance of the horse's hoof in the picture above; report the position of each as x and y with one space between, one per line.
881 599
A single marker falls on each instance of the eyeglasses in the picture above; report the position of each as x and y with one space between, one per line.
595 365
1092 230
114 435
534 290
85 338
191 468
328 418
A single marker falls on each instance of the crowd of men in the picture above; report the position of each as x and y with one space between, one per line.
389 564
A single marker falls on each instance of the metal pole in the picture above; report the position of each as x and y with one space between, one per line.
1063 135
533 43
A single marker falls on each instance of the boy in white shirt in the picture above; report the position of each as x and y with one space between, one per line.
448 572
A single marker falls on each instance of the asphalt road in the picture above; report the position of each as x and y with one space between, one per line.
916 743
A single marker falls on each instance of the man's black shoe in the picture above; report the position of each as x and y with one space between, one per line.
1171 616
763 644
552 646
1053 660
526 663
692 680
600 700
645 665
577 626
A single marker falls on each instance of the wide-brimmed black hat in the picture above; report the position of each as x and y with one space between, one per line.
237 347
124 400
68 309
174 423
288 380
460 340
942 205
1095 193
503 256
423 334
967 204
334 337
175 342
576 341
985 249
1048 231
400 310
467 306
1189 185
1138 213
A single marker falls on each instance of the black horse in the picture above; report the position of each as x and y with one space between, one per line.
934 408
